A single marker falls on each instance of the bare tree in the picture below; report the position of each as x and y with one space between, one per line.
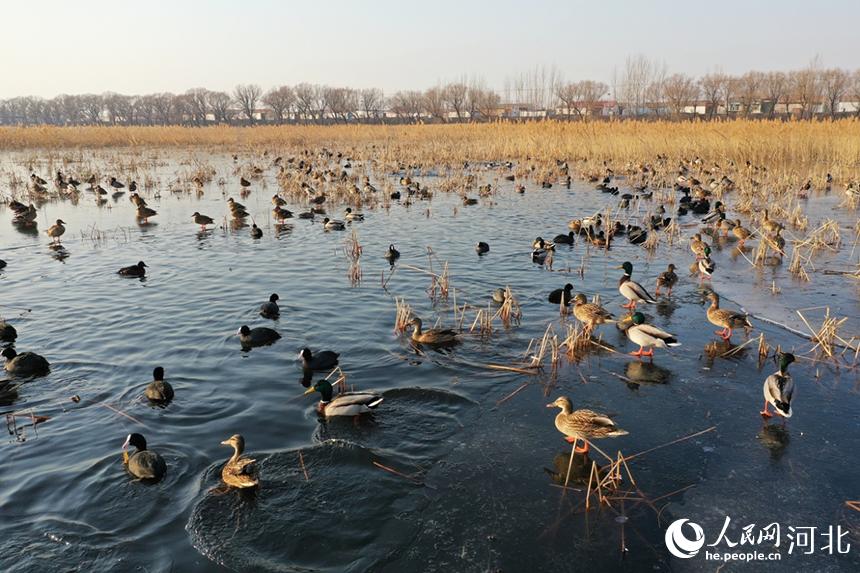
219 103
834 84
197 101
712 89
310 101
371 102
775 89
280 100
749 90
455 98
483 103
580 97
680 91
855 91
805 88
246 97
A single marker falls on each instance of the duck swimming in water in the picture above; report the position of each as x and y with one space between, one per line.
143 463
270 309
7 331
482 248
392 254
259 336
159 390
24 364
138 270
324 360
561 294
583 424
239 472
345 404
441 336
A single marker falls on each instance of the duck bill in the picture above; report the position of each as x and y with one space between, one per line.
310 390
225 443
550 405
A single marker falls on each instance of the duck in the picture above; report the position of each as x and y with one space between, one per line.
202 220
667 279
728 319
648 336
561 294
278 201
24 364
324 360
345 404
144 213
281 214
741 232
590 314
137 200
7 331
499 296
259 336
256 232
432 336
138 270
393 254
779 389
159 390
2 264
143 463
349 215
705 265
244 182
583 424
697 245
769 224
239 472
564 239
631 290
116 184
56 231
270 308
333 225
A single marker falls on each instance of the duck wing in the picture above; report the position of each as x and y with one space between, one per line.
657 333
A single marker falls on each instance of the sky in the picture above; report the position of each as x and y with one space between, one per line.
93 46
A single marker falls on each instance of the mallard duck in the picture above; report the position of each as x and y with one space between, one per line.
259 336
697 245
144 213
137 200
346 404
724 225
540 256
350 216
564 239
647 335
631 290
705 265
769 224
159 390
239 472
56 231
116 184
539 243
779 389
583 424
333 225
432 336
392 254
7 331
482 248
589 313
600 240
202 220
143 463
244 182
727 319
270 309
667 279
24 364
278 201
281 214
324 360
575 225
741 232
256 232
561 294
138 270
499 295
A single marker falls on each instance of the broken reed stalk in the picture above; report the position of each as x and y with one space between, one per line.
402 316
302 464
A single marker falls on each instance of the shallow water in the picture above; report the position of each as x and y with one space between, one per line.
477 467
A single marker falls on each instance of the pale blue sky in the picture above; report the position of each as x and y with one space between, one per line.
52 47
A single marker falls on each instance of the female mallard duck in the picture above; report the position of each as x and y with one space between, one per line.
346 404
539 243
499 295
482 248
741 232
779 389
600 240
432 336
144 213
575 225
667 279
324 360
270 309
137 200
705 265
583 424
202 220
7 331
333 225
648 336
770 225
564 239
589 313
239 472
138 270
159 390
278 201
697 245
259 336
24 364
56 231
725 225
631 290
143 463
350 216
561 294
727 319
281 214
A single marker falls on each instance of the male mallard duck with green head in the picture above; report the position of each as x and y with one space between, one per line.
779 389
648 336
631 290
345 404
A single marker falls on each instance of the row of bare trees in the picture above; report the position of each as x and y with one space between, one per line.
641 88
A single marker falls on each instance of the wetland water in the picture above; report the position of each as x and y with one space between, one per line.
484 465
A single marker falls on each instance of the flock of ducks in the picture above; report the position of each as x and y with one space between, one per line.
576 425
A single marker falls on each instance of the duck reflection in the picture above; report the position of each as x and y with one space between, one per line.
580 468
31 229
8 393
774 437
640 372
283 230
722 349
59 252
666 307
